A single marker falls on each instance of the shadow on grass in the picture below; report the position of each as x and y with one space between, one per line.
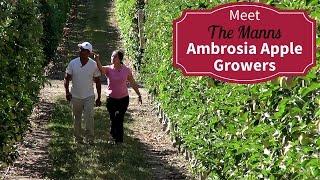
99 161
94 24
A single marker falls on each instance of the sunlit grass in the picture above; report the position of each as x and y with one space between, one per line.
99 161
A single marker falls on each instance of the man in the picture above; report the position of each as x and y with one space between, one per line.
82 71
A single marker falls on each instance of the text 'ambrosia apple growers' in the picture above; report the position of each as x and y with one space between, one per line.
220 65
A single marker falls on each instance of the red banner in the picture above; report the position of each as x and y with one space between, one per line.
244 43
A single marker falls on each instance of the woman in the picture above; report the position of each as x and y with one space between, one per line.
117 97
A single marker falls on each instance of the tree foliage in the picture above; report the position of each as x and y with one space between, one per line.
269 130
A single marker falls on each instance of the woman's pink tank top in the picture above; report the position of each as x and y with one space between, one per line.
117 82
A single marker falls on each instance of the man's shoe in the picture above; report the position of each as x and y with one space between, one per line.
90 141
78 140
111 140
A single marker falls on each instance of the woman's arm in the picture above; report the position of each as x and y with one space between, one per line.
102 69
134 86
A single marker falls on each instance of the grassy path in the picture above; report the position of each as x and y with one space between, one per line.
147 152
98 161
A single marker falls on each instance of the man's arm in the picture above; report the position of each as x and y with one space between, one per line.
67 79
98 87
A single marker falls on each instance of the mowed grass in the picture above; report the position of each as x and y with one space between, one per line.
95 24
101 160
105 36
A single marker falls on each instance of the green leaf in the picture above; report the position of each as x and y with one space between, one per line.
312 87
282 107
317 113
